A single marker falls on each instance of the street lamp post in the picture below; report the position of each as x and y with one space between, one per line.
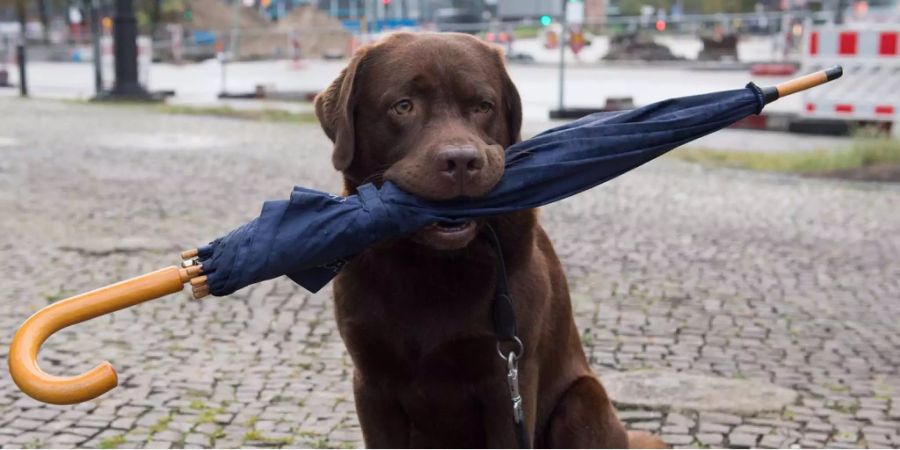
563 112
126 86
95 37
20 49
564 23
21 61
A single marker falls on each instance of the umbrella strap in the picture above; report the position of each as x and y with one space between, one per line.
505 328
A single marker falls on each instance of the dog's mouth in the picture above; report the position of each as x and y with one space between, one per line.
447 235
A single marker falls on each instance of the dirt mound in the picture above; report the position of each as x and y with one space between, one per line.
258 37
216 15
318 33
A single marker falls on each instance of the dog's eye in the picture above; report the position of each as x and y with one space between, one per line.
484 107
402 107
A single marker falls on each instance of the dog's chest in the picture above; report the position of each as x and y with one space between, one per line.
424 321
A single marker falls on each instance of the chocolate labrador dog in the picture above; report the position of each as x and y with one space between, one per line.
433 114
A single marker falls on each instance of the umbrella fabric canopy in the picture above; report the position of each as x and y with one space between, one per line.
311 236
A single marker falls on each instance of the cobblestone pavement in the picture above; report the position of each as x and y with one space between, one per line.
779 279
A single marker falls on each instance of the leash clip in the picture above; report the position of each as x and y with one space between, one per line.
512 378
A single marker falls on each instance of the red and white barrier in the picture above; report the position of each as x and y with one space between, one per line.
870 88
834 42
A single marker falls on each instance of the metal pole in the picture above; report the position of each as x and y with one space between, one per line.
98 55
235 29
562 56
45 22
4 70
20 59
125 49
20 49
224 77
364 22
233 44
839 14
154 18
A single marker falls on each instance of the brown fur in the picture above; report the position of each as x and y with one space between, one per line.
414 315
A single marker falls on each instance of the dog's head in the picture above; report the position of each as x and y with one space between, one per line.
431 113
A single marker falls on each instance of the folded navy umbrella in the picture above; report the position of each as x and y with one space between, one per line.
310 236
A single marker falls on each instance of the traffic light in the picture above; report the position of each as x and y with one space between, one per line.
385 2
546 20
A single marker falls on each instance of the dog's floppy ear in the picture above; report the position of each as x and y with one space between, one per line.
513 104
335 108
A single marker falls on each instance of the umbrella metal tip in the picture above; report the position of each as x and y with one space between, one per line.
834 73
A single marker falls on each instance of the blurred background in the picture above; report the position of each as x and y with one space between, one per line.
201 51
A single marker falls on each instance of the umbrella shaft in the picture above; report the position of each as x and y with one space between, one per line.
808 81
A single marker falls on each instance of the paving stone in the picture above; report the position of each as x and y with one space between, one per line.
720 418
83 431
676 429
649 425
24 424
226 443
638 415
710 439
679 419
741 440
65 439
751 429
774 441
819 426
125 423
197 439
205 428
677 439
710 427
40 414
168 436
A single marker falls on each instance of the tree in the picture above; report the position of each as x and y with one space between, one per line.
45 20
22 15
19 7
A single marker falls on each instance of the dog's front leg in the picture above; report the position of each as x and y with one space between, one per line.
383 422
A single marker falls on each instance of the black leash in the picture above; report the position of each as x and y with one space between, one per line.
505 328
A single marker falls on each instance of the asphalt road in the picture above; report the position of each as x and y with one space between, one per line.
586 84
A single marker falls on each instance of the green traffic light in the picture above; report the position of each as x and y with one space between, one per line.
546 20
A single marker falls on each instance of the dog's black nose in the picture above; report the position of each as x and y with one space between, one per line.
460 163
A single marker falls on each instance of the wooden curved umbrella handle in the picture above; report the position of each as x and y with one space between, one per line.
23 352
